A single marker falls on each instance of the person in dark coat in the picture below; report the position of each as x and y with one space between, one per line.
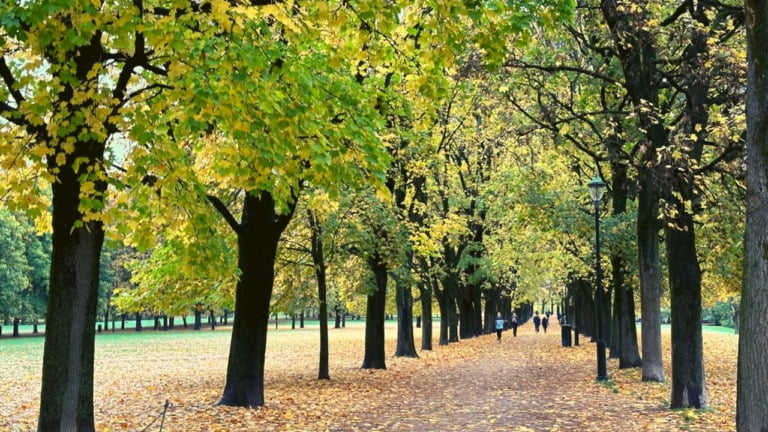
513 323
536 321
544 323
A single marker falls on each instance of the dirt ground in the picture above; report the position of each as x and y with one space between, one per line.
524 383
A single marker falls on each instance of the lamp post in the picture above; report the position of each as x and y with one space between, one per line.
596 190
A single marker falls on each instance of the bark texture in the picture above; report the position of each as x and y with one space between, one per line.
752 381
374 320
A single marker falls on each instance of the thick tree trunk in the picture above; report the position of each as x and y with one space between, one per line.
650 279
752 381
628 352
442 304
688 387
257 238
406 346
466 314
66 397
374 321
450 291
453 320
493 305
199 317
138 321
624 342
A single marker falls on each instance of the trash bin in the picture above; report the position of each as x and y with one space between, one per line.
565 333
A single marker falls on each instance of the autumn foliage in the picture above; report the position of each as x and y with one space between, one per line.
528 383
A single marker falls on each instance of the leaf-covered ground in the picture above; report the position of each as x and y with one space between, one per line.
528 383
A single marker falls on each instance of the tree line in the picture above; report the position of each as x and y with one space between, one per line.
254 153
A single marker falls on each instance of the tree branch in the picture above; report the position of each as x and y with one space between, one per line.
224 211
561 68
679 11
10 81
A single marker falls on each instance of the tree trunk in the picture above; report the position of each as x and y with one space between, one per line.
406 346
16 327
624 341
426 317
629 355
318 259
257 237
138 321
493 305
212 319
66 396
752 381
442 304
198 317
450 292
688 387
650 278
301 319
453 320
374 320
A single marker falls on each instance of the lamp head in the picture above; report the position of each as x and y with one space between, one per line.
596 188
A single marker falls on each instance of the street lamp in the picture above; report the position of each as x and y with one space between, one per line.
596 190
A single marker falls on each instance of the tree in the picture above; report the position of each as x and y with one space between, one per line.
752 381
55 132
708 100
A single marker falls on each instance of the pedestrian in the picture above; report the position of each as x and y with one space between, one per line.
536 321
544 323
513 321
499 326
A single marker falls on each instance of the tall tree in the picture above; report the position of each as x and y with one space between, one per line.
681 105
752 381
55 132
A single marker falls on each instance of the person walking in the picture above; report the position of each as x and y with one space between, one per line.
536 321
513 321
499 326
544 322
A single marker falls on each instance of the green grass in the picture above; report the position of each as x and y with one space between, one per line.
705 328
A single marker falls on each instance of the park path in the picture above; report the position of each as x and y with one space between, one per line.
525 383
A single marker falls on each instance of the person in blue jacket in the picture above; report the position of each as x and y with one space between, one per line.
499 326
